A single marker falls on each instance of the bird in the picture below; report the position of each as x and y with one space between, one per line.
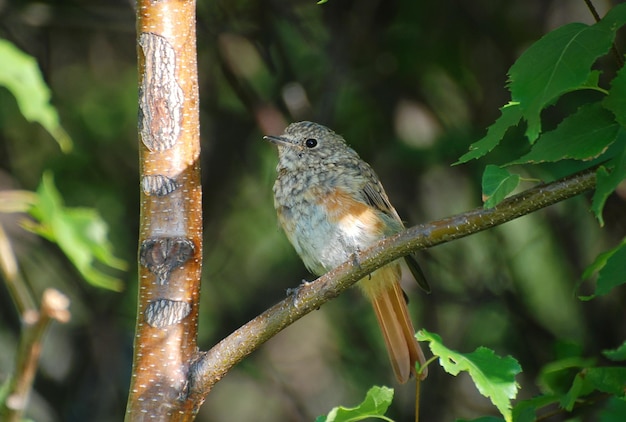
331 205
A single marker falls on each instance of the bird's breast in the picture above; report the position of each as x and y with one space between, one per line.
326 224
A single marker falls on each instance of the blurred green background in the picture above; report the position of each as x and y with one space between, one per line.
410 85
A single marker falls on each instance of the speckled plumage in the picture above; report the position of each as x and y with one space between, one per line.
306 176
331 204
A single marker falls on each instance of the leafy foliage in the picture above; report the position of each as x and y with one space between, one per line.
511 114
572 381
20 74
79 232
497 184
560 63
583 135
374 406
493 376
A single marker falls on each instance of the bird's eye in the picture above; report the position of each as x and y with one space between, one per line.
311 143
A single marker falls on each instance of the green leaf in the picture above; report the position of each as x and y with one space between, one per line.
497 184
375 405
493 376
20 74
578 389
560 62
556 377
79 232
616 100
614 272
609 176
616 355
611 269
606 379
510 116
583 135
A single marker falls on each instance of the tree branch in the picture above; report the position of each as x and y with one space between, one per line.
214 364
54 306
170 233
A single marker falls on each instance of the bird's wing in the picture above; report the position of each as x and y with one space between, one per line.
375 195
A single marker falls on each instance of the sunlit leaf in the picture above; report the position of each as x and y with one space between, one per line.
375 405
560 62
79 232
493 376
20 74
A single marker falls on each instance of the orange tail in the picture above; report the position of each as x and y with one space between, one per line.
384 291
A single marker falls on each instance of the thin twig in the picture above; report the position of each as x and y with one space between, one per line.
593 10
54 306
418 383
20 295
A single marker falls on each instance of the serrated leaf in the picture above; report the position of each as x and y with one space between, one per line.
583 135
79 232
616 355
20 74
510 117
560 62
497 184
616 99
493 376
375 405
609 176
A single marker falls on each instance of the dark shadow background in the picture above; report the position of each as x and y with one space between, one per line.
410 85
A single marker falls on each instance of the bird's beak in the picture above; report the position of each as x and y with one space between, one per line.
278 140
